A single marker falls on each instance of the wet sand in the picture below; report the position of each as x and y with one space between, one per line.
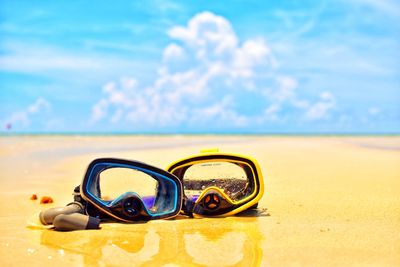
329 201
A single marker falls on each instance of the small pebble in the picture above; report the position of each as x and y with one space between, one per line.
33 197
46 200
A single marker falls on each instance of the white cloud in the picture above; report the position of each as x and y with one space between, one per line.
203 73
23 117
252 53
35 58
206 32
211 54
286 88
99 110
286 95
211 39
39 105
320 109
173 52
271 112
219 112
118 97
51 61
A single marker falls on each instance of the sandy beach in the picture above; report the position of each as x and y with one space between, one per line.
329 201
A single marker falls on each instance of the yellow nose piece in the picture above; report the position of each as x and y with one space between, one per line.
215 198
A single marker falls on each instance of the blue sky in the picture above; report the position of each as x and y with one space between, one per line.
200 66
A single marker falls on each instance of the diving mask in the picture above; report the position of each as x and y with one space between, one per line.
131 190
218 184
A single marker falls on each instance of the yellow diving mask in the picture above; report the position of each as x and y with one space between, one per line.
218 184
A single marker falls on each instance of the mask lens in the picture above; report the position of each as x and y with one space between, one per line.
231 177
113 181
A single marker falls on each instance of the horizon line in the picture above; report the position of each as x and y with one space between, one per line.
5 134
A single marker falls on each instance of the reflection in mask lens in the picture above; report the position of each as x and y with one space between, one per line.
157 193
115 182
230 177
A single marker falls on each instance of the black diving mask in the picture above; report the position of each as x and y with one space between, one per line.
131 190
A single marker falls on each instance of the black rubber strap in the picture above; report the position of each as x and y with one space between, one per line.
198 209
87 208
93 223
190 207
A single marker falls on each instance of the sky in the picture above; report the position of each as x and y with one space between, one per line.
200 66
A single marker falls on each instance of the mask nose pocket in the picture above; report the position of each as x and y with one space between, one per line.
213 201
132 206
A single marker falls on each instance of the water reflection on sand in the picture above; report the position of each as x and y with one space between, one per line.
213 242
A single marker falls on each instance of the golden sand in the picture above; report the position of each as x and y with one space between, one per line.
329 201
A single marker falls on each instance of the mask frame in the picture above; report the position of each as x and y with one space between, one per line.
229 206
117 208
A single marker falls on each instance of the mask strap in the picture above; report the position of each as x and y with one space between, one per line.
88 208
189 207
